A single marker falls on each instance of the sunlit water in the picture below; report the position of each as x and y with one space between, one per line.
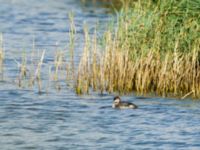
63 120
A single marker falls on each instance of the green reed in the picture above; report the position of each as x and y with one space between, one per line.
155 48
72 34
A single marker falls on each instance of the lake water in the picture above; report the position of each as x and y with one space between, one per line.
62 120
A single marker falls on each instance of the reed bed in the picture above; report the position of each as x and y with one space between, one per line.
174 74
154 49
29 72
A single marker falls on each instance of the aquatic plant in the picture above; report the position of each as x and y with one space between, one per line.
176 74
22 69
154 49
82 80
38 72
159 25
64 66
72 34
29 73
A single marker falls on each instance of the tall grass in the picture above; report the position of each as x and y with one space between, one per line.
154 49
176 74
82 83
38 72
30 73
23 70
72 34
159 25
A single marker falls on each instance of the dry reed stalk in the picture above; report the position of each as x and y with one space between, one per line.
162 83
38 73
32 66
94 62
82 84
49 79
72 34
68 73
23 71
63 71
58 63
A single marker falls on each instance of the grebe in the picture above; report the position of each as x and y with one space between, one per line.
117 103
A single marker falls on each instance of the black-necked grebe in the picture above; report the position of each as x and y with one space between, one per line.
117 103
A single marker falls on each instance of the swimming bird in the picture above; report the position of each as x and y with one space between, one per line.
117 103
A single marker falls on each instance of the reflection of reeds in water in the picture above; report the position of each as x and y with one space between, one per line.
173 74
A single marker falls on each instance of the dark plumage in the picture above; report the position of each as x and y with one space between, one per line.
117 103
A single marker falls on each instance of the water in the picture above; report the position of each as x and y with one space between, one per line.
63 120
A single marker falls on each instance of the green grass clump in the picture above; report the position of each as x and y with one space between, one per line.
160 26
